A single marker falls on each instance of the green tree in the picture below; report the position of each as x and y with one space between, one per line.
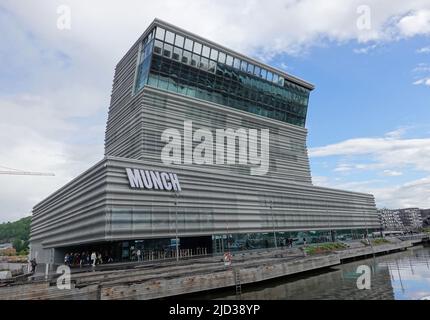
17 232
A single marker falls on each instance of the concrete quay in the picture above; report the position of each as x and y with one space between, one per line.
166 278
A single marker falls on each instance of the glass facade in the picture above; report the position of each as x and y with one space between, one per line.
175 63
251 241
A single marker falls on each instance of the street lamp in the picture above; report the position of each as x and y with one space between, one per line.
270 204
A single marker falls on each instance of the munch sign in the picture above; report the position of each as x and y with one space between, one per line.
153 180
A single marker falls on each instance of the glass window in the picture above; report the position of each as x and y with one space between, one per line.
214 54
206 51
263 73
151 35
269 76
186 58
179 41
195 61
243 66
197 48
229 61
221 57
157 46
145 41
275 78
188 44
212 66
257 71
281 81
204 63
250 68
170 37
167 50
160 33
236 63
177 54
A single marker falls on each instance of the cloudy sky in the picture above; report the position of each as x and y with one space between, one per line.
368 119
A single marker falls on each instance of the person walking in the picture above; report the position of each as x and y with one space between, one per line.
93 258
33 265
83 259
138 255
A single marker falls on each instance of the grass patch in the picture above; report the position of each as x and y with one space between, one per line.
380 241
325 247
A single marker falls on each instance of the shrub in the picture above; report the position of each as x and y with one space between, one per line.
324 247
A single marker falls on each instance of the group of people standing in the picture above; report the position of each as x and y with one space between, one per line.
85 259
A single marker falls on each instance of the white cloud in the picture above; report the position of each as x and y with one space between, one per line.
388 151
415 193
396 134
423 74
422 68
365 50
423 81
282 26
392 173
387 156
417 23
424 50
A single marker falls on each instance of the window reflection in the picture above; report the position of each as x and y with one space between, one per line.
221 57
170 37
197 48
184 66
188 44
179 41
229 60
206 51
214 54
159 33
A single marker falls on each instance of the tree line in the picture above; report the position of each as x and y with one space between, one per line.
17 233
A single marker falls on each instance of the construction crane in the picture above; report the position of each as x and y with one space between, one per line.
11 171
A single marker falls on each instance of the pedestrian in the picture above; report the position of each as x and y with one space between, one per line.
99 258
33 265
304 242
82 260
66 259
93 258
138 254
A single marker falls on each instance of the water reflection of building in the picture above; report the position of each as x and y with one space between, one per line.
402 275
339 283
410 273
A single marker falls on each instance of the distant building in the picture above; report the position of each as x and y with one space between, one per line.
425 214
390 219
401 219
411 218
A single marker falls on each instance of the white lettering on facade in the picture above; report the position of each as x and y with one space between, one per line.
148 179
